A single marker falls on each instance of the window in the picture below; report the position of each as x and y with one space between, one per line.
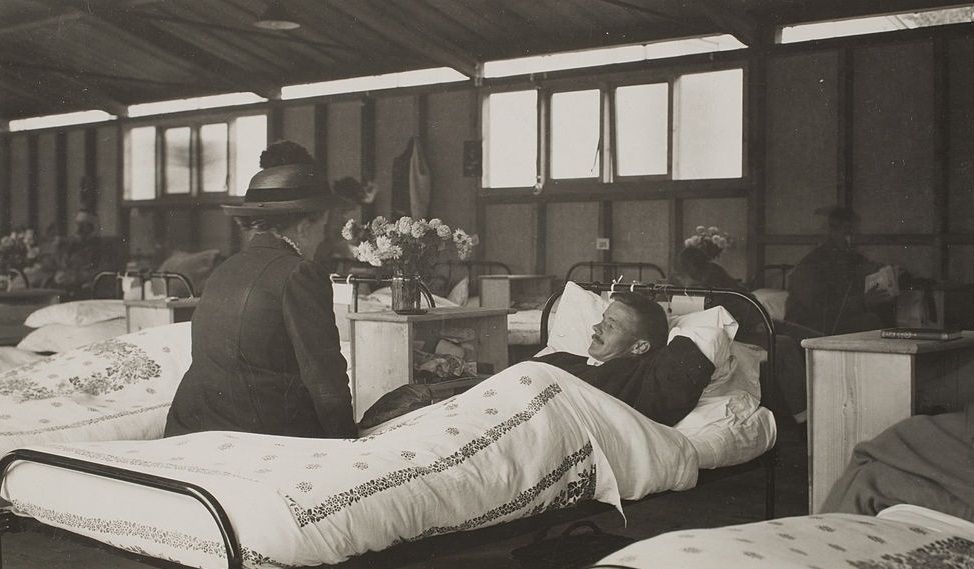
642 129
708 138
512 139
576 134
876 24
142 163
194 159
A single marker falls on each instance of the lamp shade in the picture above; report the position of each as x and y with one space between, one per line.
276 17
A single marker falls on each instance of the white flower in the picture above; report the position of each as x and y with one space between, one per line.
713 229
405 225
347 230
701 230
442 231
435 222
419 229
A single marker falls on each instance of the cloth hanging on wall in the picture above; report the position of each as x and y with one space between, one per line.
411 182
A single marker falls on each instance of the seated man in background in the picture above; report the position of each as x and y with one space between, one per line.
926 460
827 287
629 359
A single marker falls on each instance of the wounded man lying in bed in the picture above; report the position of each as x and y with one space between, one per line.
628 359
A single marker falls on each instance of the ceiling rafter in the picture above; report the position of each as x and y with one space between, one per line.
388 20
79 91
728 18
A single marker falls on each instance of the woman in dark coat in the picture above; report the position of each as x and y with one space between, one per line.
266 356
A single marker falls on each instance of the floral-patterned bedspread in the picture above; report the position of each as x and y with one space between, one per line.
529 439
120 388
902 537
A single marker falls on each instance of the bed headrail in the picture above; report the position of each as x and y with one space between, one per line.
782 268
611 270
667 290
356 281
198 493
145 276
470 268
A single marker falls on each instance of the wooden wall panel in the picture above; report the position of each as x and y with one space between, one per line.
571 232
893 138
19 179
641 232
76 171
961 263
47 214
960 117
180 230
802 140
107 152
920 260
215 231
730 215
450 123
396 121
510 236
344 140
142 233
299 126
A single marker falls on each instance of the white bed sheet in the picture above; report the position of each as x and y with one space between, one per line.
529 439
524 328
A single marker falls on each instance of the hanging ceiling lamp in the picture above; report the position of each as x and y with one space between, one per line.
276 17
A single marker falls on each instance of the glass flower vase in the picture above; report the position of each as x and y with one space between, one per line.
407 295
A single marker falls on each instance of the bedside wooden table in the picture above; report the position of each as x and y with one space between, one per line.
503 291
382 346
141 314
860 384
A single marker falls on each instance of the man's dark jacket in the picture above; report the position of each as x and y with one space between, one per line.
663 384
266 352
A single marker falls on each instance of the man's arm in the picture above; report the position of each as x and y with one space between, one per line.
673 382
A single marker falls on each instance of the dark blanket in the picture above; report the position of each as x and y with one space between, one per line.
663 384
925 461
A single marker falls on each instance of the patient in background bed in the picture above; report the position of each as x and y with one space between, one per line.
629 359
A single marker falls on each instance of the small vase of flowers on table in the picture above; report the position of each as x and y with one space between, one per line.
17 251
407 248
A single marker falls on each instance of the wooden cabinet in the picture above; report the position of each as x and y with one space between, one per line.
860 384
141 314
504 291
383 344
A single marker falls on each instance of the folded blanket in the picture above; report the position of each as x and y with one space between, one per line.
925 460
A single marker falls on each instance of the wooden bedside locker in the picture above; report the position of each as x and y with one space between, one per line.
860 384
503 291
382 346
141 314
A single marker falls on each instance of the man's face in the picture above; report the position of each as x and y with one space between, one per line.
615 335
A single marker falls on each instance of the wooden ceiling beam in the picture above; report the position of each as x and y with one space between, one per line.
82 94
387 18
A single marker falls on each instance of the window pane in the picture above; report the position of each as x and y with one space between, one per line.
709 130
642 129
249 139
177 160
213 138
575 134
142 163
512 140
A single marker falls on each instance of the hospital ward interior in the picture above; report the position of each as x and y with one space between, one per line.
506 284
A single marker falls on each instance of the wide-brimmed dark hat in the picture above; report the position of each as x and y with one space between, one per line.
293 188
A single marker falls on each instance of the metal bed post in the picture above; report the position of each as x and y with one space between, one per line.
201 495
614 266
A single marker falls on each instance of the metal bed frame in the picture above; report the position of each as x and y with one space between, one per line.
610 269
145 276
408 552
357 281
470 268
783 269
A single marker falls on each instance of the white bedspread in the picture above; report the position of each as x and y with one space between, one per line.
529 439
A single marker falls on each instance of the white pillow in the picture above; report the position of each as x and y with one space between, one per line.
773 300
460 292
571 326
713 343
717 316
64 337
77 313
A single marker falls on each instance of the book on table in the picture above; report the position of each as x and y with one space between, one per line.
920 333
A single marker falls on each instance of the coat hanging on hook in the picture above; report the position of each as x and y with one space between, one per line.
411 182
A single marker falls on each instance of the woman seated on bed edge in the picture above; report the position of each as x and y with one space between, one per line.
629 359
266 352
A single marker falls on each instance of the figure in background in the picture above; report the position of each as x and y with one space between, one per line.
80 257
266 350
827 290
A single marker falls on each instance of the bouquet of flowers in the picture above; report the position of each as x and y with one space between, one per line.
711 240
18 250
408 246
